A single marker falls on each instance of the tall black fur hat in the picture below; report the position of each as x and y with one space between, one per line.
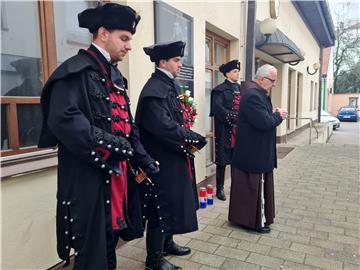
233 64
165 50
111 16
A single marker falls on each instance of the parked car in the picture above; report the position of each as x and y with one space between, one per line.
347 114
327 118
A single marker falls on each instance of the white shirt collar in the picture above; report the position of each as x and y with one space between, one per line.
168 73
232 81
103 52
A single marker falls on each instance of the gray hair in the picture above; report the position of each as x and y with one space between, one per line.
264 71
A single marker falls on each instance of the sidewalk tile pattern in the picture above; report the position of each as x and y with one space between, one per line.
316 224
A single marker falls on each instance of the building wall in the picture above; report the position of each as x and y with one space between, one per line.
329 105
341 100
328 78
291 24
28 221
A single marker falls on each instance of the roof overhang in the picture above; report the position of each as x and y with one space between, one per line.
278 46
316 16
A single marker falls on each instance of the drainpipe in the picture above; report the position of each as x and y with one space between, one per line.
250 41
324 98
320 84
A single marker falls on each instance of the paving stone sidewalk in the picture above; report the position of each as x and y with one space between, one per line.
316 224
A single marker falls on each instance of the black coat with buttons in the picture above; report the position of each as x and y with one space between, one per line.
73 98
222 109
160 121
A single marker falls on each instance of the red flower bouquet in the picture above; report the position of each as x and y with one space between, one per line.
189 106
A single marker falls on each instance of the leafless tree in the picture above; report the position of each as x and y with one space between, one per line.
346 53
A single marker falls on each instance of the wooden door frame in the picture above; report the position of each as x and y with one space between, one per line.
214 38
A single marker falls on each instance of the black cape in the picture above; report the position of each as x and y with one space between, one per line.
76 109
222 106
162 133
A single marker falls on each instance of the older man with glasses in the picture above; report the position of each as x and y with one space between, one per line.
252 186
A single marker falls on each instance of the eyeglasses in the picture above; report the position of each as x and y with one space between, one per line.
271 80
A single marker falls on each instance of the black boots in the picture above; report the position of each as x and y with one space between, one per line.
264 229
220 194
171 248
154 246
220 178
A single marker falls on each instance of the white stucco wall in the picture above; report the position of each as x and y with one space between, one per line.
291 24
28 221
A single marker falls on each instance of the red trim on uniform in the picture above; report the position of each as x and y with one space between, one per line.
187 125
121 125
118 195
119 188
104 153
119 183
109 83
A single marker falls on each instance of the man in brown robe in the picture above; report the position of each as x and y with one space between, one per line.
252 188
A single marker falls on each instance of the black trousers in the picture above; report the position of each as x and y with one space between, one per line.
220 173
220 176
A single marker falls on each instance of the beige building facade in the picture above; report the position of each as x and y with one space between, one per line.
296 90
336 101
218 34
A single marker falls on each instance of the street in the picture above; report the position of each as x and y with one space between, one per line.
316 224
348 133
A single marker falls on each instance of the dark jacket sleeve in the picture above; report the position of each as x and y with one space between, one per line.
257 114
218 109
74 130
157 120
140 158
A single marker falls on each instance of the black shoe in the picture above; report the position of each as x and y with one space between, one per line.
154 246
159 263
265 229
171 248
220 194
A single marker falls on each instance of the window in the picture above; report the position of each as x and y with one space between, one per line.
353 102
69 37
299 98
51 35
22 77
311 95
216 53
316 96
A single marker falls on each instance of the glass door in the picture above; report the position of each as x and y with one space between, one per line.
216 54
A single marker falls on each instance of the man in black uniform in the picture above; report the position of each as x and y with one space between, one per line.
225 99
87 115
170 202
